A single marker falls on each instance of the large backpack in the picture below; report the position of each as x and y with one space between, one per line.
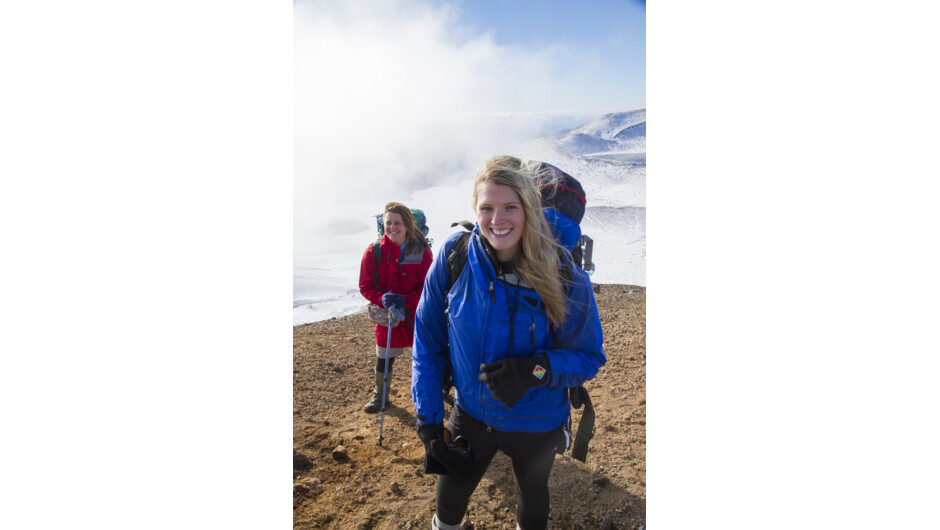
564 194
421 221
561 192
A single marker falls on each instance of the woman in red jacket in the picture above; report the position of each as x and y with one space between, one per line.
396 281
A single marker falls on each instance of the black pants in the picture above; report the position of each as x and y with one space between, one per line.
531 454
380 365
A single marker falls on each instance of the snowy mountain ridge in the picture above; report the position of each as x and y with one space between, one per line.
618 132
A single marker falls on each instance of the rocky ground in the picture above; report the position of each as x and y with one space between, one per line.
344 479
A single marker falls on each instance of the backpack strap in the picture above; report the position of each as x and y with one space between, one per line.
579 396
565 274
377 254
464 223
456 259
588 245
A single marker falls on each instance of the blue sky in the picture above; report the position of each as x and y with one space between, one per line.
391 91
527 56
529 22
612 32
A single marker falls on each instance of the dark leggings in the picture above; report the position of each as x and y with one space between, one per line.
531 454
380 365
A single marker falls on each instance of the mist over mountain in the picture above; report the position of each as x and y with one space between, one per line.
607 154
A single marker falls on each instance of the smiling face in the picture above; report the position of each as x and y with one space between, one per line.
501 218
395 228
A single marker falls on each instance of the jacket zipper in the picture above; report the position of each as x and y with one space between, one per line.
532 331
482 387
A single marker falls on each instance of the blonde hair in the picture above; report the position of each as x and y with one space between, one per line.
536 261
414 239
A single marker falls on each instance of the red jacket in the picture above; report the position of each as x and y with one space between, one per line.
405 277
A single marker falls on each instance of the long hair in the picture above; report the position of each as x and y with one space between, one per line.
414 239
536 261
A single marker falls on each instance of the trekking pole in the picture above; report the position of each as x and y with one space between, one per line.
388 346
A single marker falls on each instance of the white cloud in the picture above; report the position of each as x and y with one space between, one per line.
394 95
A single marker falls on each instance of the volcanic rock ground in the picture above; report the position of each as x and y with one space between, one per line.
383 487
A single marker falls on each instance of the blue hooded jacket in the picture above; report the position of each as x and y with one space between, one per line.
475 329
567 232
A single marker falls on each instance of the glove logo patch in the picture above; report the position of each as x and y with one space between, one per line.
539 372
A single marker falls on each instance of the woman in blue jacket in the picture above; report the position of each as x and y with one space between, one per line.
517 328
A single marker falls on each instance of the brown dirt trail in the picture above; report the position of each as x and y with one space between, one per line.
384 487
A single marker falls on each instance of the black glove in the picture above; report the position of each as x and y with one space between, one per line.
444 458
509 379
391 299
428 432
455 457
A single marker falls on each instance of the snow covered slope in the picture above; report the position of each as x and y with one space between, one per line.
612 171
619 132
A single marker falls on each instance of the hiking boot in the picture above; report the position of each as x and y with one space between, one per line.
436 524
375 404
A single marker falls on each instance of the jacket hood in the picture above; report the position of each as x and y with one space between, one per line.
567 232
